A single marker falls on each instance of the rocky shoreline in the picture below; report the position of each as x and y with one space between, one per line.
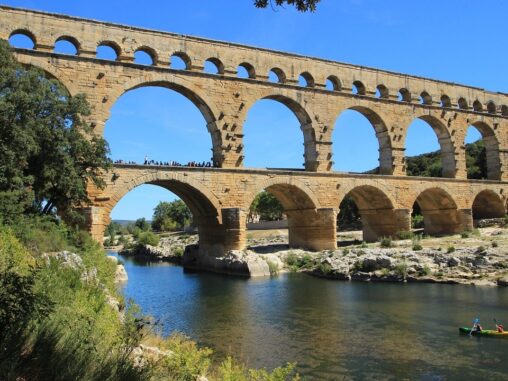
483 260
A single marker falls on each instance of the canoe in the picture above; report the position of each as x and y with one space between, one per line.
485 332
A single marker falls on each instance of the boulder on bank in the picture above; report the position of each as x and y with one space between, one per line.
234 262
503 281
157 253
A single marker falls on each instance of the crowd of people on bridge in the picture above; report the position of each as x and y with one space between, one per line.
199 164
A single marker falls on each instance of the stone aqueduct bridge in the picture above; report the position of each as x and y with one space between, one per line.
219 197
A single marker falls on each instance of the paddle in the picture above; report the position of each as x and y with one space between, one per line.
475 321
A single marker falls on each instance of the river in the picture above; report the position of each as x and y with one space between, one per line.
334 330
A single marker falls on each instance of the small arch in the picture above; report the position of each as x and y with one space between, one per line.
22 39
145 56
246 70
463 104
488 204
214 66
491 107
67 45
425 98
108 50
358 88
404 95
306 80
382 92
446 101
504 110
333 83
439 211
477 106
276 75
180 61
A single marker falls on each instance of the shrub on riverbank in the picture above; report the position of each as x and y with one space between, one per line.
59 319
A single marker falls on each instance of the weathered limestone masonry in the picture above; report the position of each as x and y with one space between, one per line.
219 197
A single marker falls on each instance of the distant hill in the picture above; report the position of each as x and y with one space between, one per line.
126 222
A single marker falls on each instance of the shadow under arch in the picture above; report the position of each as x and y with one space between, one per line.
382 135
447 149
205 109
204 206
309 136
376 209
488 204
492 149
440 213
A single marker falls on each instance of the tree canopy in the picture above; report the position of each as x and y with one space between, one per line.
171 215
49 152
267 207
301 5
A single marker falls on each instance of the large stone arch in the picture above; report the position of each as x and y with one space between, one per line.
205 207
50 70
445 140
440 211
487 204
304 118
385 144
376 208
210 114
492 149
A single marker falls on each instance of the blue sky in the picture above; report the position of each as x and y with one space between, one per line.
455 40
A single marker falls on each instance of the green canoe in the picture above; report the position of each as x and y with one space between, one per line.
485 332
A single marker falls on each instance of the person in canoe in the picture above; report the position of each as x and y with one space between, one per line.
499 328
477 327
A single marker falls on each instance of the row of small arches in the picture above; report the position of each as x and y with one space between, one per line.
181 61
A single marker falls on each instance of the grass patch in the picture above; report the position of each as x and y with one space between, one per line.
450 249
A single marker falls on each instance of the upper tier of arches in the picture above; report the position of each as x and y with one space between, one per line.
257 64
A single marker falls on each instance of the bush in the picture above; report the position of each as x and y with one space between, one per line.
148 238
401 269
405 234
417 221
273 268
386 242
324 268
364 245
178 251
495 244
450 249
425 271
465 234
345 251
481 249
417 246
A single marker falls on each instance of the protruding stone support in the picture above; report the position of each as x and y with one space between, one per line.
399 161
312 229
384 223
96 219
234 225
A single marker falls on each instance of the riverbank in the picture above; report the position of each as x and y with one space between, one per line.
479 257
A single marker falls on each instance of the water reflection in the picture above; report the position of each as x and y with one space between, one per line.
334 330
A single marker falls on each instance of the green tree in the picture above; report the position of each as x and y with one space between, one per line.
142 224
301 5
49 152
171 215
267 207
